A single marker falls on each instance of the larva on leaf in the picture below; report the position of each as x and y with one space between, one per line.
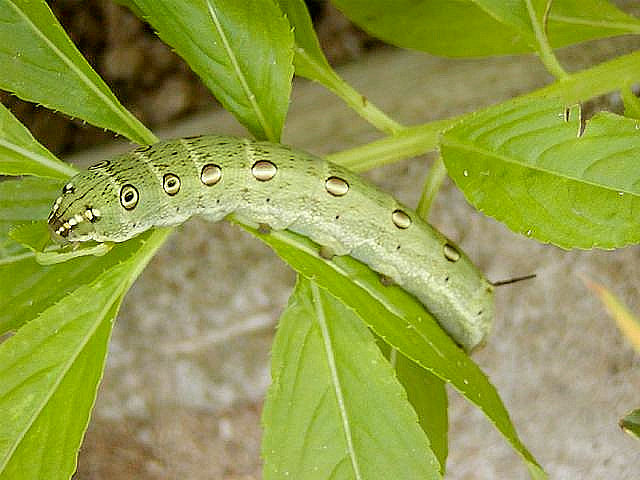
272 186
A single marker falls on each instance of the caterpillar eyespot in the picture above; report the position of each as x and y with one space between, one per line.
278 188
451 253
401 219
336 186
129 197
264 170
210 174
171 184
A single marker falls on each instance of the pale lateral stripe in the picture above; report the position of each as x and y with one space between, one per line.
322 321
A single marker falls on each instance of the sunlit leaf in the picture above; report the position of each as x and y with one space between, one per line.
525 164
243 52
471 28
40 64
335 409
21 154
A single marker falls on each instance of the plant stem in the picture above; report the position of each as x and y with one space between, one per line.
545 52
358 102
411 141
432 183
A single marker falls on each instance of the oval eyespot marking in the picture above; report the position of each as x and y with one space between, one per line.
264 170
99 165
210 174
68 188
128 197
451 253
336 186
142 148
401 219
171 184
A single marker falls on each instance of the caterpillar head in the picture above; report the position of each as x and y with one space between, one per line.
105 203
74 215
88 209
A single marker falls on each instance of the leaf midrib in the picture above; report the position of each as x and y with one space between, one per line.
594 23
507 159
240 75
335 379
73 67
39 159
65 370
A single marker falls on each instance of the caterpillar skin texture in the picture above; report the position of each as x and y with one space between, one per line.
274 185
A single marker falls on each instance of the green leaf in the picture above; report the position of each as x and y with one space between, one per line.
524 164
472 28
40 64
23 201
572 21
631 102
334 409
630 423
428 396
35 287
401 321
50 371
310 62
21 154
33 235
309 58
244 57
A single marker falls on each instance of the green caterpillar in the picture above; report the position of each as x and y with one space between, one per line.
272 185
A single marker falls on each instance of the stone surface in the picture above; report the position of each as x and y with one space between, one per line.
188 365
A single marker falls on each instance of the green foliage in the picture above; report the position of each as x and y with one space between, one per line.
41 64
631 103
477 28
334 399
50 371
21 154
245 59
401 321
521 162
428 397
518 151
